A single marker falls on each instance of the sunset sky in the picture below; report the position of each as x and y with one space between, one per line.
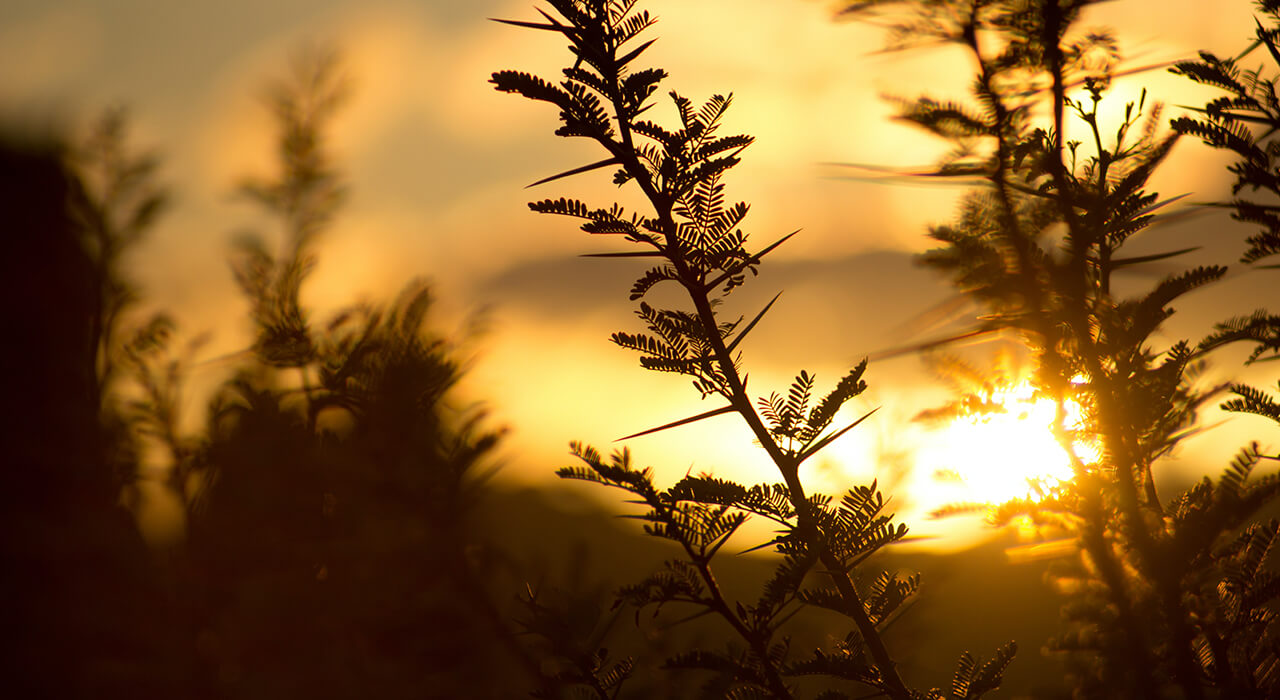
437 163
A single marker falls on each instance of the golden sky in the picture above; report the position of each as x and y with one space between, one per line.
437 162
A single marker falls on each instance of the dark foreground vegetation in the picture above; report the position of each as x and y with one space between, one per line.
340 538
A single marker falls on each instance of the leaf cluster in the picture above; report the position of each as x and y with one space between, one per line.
800 427
1244 122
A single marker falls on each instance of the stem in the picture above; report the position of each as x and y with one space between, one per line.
759 643
757 638
999 179
1135 644
1154 558
807 525
1126 466
1093 540
1093 537
737 395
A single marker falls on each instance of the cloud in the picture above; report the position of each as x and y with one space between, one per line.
846 306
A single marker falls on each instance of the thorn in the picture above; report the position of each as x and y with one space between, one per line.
1121 262
593 166
832 437
530 25
752 260
632 254
752 325
685 421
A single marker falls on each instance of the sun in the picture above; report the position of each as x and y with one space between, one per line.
997 456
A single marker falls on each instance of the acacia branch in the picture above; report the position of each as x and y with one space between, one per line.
740 400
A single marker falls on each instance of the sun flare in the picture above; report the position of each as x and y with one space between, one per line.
993 457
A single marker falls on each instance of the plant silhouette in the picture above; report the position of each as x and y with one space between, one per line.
329 535
330 546
1171 594
692 233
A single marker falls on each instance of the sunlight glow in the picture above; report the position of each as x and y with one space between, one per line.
999 456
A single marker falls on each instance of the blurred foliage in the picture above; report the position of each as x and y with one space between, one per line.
328 540
1244 122
1168 597
329 545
